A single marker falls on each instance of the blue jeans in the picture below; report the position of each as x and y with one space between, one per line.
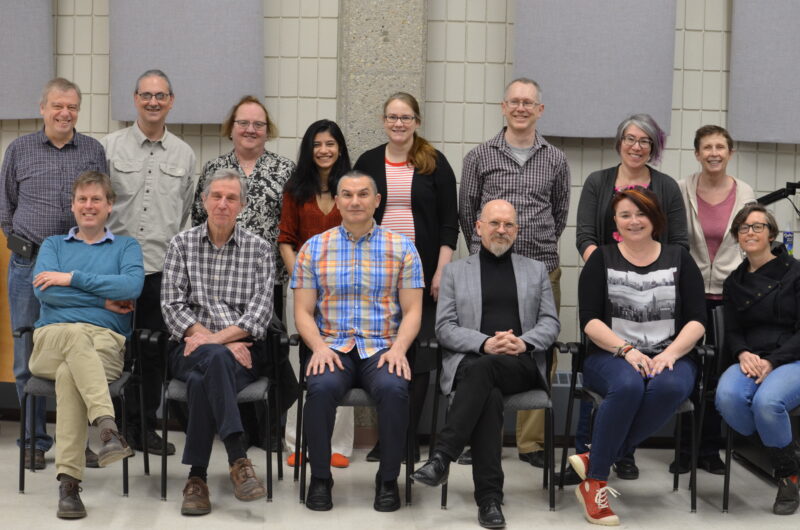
633 408
24 308
763 408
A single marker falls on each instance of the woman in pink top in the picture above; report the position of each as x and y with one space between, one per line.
712 198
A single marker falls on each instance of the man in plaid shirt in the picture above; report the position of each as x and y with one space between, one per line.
216 297
358 303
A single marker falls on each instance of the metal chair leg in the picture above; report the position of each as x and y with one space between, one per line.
675 476
693 478
22 416
165 402
303 463
269 448
727 481
32 448
144 426
125 437
551 457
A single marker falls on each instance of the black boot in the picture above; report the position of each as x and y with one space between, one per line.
784 461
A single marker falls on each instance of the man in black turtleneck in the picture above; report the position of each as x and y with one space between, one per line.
495 320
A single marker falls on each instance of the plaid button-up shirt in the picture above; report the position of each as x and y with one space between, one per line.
357 283
539 190
217 287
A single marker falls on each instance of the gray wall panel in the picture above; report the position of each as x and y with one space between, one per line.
763 105
597 62
212 50
26 56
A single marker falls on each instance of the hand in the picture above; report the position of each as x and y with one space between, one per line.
504 343
640 362
398 364
122 307
46 279
750 364
195 341
241 352
435 282
663 360
766 368
322 358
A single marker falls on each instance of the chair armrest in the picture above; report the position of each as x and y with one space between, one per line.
705 350
431 343
294 340
19 332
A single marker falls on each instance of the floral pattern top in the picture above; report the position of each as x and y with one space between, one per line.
264 198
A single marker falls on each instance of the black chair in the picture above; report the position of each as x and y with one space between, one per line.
355 397
528 400
578 351
719 335
41 387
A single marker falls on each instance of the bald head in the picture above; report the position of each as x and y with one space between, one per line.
497 226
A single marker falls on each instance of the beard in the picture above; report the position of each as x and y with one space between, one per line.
499 246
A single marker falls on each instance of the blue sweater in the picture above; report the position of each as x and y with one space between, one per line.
109 270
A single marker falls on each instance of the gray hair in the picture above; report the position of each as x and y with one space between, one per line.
62 85
153 72
646 123
355 174
226 174
525 81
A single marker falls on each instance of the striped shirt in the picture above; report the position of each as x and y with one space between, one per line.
358 283
36 183
538 189
398 216
217 287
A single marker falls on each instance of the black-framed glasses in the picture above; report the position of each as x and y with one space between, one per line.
160 96
757 227
257 125
405 120
644 143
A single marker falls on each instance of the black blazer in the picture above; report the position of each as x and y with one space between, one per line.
433 206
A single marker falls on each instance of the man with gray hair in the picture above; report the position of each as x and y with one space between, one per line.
152 172
35 182
520 166
216 300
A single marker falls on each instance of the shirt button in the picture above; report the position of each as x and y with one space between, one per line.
149 170
151 153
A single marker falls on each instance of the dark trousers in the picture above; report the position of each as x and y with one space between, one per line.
325 392
213 378
633 407
476 414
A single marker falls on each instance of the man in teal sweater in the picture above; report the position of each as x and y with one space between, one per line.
86 282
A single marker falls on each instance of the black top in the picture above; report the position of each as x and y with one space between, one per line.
499 302
762 310
645 306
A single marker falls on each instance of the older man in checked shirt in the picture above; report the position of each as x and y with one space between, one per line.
358 304
520 166
216 297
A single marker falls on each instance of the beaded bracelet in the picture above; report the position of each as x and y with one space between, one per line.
623 350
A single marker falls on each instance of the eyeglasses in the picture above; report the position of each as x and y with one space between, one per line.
405 120
497 224
147 96
244 124
644 143
757 227
524 103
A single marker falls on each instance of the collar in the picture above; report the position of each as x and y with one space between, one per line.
506 256
141 138
73 236
72 141
235 235
366 237
499 141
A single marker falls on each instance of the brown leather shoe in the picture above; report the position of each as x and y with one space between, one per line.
70 505
246 486
195 497
38 459
91 458
114 448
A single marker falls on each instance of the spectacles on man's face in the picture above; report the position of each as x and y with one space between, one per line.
644 143
524 103
244 124
495 225
757 227
147 96
405 120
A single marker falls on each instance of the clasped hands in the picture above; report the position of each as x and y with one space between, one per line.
754 366
504 343
650 367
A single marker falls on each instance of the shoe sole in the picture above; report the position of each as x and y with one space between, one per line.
602 522
251 498
577 464
194 511
386 509
319 508
431 483
495 525
71 515
115 456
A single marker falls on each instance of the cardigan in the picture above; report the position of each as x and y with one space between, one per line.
598 190
728 256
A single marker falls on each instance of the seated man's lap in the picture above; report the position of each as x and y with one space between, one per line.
357 373
53 342
204 356
510 373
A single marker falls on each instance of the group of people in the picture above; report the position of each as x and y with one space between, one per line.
367 254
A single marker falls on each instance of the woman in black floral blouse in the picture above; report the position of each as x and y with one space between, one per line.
249 126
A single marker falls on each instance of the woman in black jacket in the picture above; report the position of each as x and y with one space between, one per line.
762 333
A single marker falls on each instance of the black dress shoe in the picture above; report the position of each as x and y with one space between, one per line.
534 458
387 495
570 477
374 454
684 465
490 515
626 469
712 463
465 459
155 444
434 472
318 496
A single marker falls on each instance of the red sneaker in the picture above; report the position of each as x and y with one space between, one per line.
339 460
580 463
593 495
291 458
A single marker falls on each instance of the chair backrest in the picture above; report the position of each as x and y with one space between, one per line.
718 319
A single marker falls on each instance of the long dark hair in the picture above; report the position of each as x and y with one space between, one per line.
304 183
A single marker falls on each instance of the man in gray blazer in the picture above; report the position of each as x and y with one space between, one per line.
495 320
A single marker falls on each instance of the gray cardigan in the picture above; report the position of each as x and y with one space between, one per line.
598 190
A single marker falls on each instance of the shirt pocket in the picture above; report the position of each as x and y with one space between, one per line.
173 183
126 177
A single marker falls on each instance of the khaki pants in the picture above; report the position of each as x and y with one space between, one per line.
530 423
81 358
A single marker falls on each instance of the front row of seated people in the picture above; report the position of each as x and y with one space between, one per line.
358 305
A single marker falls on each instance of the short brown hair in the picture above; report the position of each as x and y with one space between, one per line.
62 85
742 215
708 130
227 125
647 202
87 178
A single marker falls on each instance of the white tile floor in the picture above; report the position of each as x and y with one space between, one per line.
646 503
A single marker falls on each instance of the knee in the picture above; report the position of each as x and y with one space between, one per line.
628 387
218 357
392 390
767 404
324 385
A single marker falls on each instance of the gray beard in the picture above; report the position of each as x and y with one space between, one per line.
498 249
